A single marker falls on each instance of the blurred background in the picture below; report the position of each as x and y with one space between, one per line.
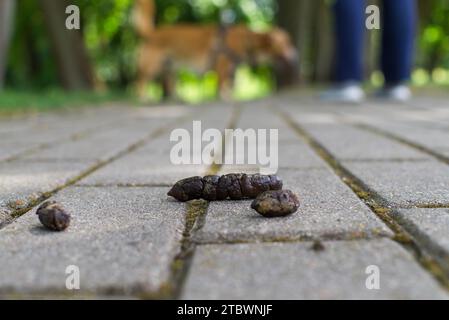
45 66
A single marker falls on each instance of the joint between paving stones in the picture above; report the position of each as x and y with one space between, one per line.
124 185
379 206
432 206
74 137
195 219
392 160
14 214
411 144
291 239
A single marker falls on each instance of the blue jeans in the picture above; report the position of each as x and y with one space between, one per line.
398 32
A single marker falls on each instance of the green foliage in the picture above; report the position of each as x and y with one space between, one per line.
14 102
110 39
29 65
434 37
253 84
258 14
192 88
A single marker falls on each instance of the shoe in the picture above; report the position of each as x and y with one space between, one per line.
399 92
350 92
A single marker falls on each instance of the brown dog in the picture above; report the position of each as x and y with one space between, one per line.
205 47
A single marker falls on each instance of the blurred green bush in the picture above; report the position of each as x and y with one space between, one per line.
111 42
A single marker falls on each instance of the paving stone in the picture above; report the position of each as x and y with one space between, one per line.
345 142
62 129
149 167
290 155
292 151
23 182
9 127
405 183
431 227
100 145
329 209
298 155
432 138
262 117
294 271
151 164
43 133
122 239
10 150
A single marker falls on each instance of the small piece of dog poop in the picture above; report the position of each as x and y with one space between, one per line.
317 246
276 203
53 216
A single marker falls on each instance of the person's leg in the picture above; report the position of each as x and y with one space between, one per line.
349 27
349 31
399 20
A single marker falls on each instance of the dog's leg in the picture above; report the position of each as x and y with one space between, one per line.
225 69
150 64
168 79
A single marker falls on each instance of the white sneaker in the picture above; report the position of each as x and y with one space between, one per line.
399 93
350 92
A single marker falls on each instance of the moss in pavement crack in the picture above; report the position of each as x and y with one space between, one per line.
378 205
195 214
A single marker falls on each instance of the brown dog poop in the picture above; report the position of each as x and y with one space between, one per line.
235 186
276 203
53 216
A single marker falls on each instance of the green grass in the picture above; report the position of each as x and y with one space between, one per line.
192 88
14 102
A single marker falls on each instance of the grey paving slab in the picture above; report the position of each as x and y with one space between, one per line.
432 138
23 182
263 117
405 183
288 155
292 151
152 163
431 227
10 126
346 142
444 152
296 154
100 145
122 239
329 209
294 271
46 134
63 128
9 150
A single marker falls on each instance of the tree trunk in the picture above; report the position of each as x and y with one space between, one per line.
6 22
294 16
325 43
288 17
372 46
74 68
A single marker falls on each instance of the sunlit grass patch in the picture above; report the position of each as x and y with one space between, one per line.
420 77
440 76
16 102
251 84
193 88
